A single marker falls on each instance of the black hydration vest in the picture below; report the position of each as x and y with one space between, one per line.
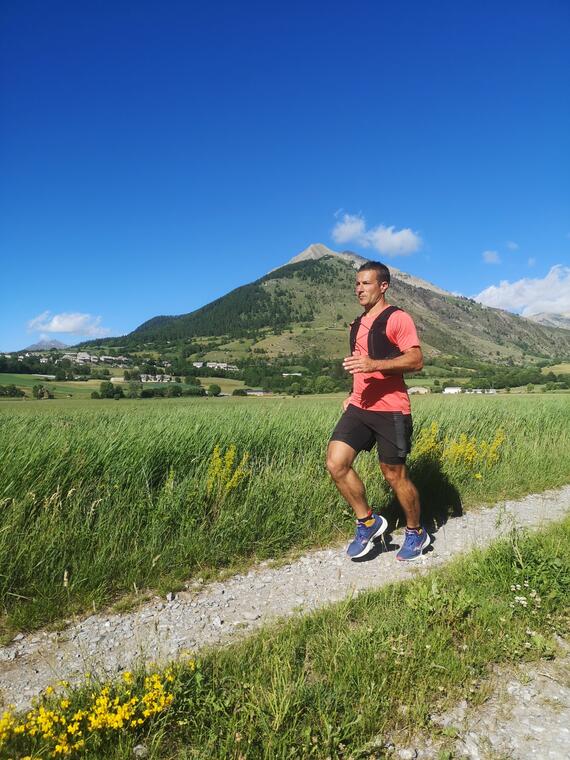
379 346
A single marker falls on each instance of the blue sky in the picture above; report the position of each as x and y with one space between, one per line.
156 155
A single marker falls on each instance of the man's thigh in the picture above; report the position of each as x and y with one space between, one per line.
393 437
341 454
353 431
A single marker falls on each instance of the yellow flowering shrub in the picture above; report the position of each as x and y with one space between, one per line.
465 451
224 475
56 728
427 443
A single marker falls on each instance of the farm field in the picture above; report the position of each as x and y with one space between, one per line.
558 369
60 389
227 384
83 389
102 498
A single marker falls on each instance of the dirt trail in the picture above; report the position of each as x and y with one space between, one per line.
219 612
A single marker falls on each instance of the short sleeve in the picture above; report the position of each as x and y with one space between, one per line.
401 330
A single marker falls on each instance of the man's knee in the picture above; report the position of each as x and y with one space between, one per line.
337 468
394 473
338 461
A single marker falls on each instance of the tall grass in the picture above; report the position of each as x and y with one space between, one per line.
99 499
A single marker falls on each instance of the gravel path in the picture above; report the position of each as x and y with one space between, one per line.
527 715
218 612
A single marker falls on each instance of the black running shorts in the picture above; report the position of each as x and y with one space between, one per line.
390 431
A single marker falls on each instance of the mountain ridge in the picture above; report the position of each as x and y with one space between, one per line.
304 307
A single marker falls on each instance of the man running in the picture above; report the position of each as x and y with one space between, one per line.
384 345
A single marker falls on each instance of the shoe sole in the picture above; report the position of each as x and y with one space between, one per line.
418 556
382 529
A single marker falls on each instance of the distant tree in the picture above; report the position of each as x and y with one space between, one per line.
100 373
107 389
239 392
295 388
11 391
191 380
214 390
530 388
95 394
173 390
40 391
194 390
324 384
134 389
60 374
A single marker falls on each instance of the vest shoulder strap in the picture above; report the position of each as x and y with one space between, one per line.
383 317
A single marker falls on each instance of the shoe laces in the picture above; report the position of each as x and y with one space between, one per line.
411 537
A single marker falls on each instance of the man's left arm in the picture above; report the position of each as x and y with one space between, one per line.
411 360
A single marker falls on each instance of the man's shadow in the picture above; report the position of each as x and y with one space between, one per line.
439 500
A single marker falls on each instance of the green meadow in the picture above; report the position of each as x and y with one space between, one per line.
116 496
59 388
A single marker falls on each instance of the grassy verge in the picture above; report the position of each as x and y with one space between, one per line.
335 684
98 502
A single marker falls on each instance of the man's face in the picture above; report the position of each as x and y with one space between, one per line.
368 290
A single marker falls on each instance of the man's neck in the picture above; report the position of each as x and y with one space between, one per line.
378 308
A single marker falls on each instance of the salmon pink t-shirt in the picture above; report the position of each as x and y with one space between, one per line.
374 391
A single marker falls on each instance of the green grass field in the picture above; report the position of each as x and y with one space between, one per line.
227 384
558 369
83 389
117 494
60 389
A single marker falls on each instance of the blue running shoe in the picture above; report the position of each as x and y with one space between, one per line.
414 544
363 540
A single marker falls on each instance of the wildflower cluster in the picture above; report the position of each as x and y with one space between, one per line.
464 451
57 727
470 452
224 475
528 596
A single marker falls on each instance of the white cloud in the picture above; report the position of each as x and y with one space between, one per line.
387 240
491 257
528 296
74 324
532 261
512 246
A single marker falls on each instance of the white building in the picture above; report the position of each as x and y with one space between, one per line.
451 389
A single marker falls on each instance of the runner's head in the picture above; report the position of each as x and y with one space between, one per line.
372 281
382 271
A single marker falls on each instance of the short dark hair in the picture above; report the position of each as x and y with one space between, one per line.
382 271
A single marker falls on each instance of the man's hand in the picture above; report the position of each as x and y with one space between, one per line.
345 403
410 361
358 363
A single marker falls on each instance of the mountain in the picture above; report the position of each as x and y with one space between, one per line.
304 307
318 251
45 345
552 320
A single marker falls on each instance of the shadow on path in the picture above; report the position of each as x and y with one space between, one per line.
439 498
